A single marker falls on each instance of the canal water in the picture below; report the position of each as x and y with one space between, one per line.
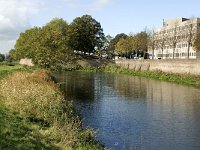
135 113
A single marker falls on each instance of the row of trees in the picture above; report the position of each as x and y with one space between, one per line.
129 45
133 44
53 45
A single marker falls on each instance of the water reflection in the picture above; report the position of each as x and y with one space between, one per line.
80 87
136 113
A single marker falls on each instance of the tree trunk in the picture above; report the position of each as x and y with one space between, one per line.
153 54
188 51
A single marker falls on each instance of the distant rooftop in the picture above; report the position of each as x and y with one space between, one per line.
174 21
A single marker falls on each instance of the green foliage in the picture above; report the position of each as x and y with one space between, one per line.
18 133
132 44
114 41
54 50
85 33
47 46
186 79
122 46
52 45
10 57
7 68
27 43
2 57
142 41
197 42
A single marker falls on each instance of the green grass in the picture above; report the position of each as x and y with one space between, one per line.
186 79
18 133
5 69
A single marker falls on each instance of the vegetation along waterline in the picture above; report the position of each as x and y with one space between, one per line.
35 115
186 79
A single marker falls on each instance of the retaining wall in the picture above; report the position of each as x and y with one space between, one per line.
169 66
26 61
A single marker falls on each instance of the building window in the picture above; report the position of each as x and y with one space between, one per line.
177 55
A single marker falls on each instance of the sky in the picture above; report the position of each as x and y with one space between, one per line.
115 16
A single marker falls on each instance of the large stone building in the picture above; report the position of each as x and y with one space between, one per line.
175 39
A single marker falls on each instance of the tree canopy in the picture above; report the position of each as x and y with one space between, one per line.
47 46
132 44
85 33
2 57
53 45
27 43
114 41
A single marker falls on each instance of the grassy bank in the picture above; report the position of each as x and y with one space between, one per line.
8 68
186 79
34 115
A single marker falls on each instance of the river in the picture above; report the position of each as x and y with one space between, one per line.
135 113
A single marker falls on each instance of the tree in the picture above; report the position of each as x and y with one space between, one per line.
122 47
142 41
114 41
132 44
152 41
27 43
10 57
190 35
2 57
106 42
85 33
161 40
174 38
47 46
53 50
138 43
197 42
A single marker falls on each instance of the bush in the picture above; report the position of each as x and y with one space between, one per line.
2 57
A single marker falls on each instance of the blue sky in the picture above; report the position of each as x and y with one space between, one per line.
115 16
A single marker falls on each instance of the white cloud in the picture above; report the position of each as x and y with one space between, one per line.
14 19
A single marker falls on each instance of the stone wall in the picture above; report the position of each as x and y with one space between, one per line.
169 66
26 61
